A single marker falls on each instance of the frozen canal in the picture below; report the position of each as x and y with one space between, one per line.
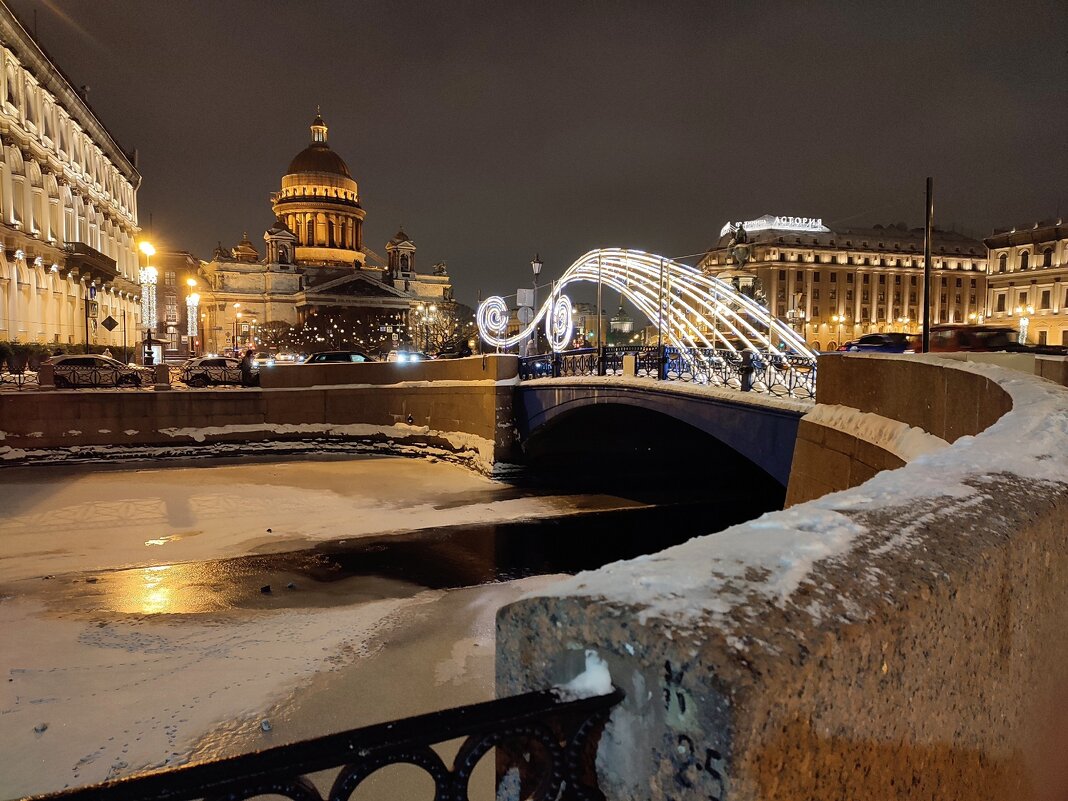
136 634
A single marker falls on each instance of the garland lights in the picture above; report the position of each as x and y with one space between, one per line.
691 305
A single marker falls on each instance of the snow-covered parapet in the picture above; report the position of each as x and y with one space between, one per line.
905 636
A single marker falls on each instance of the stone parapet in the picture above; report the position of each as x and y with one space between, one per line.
468 417
900 639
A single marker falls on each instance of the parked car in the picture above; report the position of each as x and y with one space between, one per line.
338 357
457 349
882 343
92 370
205 371
980 338
263 359
406 356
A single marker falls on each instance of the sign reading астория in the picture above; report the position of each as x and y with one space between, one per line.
779 223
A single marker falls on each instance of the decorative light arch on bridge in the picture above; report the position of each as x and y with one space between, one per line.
695 310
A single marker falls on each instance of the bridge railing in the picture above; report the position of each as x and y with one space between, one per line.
545 748
769 373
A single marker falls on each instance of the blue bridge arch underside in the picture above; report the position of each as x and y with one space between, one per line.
764 435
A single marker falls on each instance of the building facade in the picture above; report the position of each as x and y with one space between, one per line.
1028 280
836 285
316 276
68 209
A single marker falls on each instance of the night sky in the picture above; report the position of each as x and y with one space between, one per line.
493 130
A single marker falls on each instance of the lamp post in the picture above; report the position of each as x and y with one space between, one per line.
237 319
192 302
535 266
838 319
1025 322
148 275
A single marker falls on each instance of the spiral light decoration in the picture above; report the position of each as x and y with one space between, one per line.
697 310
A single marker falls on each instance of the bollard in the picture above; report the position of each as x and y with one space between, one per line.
46 377
162 374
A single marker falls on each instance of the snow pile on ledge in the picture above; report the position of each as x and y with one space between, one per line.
593 681
709 580
904 441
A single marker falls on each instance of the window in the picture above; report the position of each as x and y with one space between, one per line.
943 299
865 313
849 278
782 275
1044 302
815 312
867 278
816 277
882 279
1023 299
782 256
897 279
973 283
815 296
1024 256
849 296
169 278
897 297
912 297
1003 262
782 310
1041 337
800 275
999 304
834 278
1047 257
865 296
912 280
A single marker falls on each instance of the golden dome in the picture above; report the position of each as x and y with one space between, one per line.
318 157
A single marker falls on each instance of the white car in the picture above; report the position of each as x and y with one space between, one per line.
72 370
205 371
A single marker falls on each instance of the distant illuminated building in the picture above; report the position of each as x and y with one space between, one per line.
316 274
1028 280
837 284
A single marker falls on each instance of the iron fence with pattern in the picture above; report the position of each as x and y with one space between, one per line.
76 376
544 744
18 379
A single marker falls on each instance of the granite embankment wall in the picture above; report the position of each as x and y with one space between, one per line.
904 638
460 408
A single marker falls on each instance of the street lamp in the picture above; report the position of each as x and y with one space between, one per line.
535 266
1025 322
192 304
237 319
148 275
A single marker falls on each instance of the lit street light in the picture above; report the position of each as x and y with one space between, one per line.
535 266
148 275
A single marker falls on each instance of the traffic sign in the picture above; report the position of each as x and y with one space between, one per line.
395 336
110 323
526 314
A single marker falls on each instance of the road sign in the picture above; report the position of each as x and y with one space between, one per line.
110 323
525 297
94 309
526 314
395 336
92 291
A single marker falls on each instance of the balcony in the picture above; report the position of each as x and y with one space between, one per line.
91 263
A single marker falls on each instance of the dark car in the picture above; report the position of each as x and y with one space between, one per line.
338 357
881 343
207 371
90 370
458 349
985 338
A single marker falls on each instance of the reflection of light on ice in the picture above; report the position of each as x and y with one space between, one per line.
155 599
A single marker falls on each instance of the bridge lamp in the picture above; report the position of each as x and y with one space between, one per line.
535 266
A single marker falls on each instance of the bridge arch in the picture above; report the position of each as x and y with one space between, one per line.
760 430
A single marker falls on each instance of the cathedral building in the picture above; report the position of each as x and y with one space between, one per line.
68 209
315 275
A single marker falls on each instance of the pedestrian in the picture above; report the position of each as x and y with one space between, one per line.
530 349
107 353
246 369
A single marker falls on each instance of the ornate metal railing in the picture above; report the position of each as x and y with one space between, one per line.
78 376
544 745
770 373
18 379
209 376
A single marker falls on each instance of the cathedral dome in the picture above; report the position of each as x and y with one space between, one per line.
318 158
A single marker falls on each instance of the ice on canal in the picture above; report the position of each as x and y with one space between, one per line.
90 693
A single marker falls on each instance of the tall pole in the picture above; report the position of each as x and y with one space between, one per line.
125 342
926 339
600 341
660 321
87 317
